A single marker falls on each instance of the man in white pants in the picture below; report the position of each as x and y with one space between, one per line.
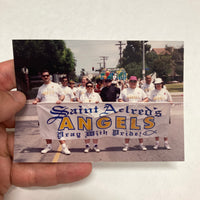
50 92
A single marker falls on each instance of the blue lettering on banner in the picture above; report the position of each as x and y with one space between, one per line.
60 111
109 119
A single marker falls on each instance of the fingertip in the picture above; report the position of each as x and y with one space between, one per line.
73 172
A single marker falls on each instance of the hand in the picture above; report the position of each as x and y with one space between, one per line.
22 174
58 102
35 102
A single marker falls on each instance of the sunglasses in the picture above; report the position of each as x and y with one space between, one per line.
89 86
45 75
133 81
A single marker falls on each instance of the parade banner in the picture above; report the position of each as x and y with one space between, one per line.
90 121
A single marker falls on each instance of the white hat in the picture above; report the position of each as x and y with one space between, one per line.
158 81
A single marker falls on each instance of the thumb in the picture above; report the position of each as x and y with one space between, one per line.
10 103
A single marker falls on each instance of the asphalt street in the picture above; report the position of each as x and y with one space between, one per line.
28 142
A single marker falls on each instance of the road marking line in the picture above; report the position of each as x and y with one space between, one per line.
56 157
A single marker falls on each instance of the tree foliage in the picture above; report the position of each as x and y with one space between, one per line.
37 55
163 65
132 60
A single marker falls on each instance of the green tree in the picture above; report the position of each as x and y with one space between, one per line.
162 65
37 55
132 60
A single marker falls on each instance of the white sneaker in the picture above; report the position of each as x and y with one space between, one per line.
66 151
167 146
46 149
156 146
87 149
143 147
125 149
96 148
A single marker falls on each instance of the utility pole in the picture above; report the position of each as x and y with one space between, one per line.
100 68
120 50
99 64
104 58
143 59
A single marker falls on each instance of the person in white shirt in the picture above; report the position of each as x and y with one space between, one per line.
69 96
133 94
73 88
148 86
50 92
160 94
90 97
82 88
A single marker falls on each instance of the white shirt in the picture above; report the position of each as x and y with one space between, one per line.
148 88
74 89
80 90
162 95
132 95
49 92
90 97
68 93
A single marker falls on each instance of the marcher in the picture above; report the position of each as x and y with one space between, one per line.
98 86
109 92
69 96
82 88
90 97
160 94
50 92
133 94
73 88
148 86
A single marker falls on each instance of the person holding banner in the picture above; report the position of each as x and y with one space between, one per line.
133 94
50 92
160 94
69 96
90 97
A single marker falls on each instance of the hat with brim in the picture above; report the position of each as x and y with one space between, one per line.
133 78
158 81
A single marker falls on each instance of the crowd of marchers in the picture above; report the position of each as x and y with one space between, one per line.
107 90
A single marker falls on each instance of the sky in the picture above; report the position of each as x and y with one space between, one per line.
88 52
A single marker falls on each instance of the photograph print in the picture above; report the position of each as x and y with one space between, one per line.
99 100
